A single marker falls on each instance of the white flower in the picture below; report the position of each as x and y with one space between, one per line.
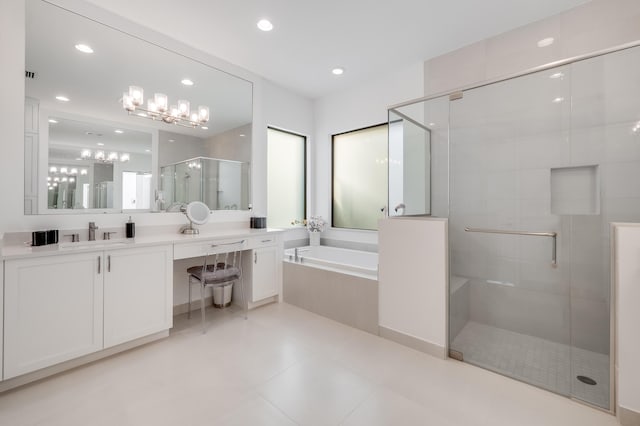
316 224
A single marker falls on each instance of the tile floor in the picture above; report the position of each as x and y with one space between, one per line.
284 366
541 362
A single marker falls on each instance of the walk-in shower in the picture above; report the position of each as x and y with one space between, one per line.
220 184
530 172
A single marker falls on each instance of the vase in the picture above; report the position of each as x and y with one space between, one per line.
314 238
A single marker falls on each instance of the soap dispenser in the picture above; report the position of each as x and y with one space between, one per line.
131 229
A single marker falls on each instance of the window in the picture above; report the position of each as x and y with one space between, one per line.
359 187
286 177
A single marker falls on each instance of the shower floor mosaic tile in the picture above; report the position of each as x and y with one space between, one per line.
550 365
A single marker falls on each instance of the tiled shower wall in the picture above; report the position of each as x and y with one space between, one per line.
506 142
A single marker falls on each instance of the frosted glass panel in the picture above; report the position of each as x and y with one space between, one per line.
359 177
285 178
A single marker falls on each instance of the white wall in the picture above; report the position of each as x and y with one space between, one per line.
361 106
594 26
627 289
288 111
412 279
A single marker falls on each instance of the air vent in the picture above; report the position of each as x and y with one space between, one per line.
30 74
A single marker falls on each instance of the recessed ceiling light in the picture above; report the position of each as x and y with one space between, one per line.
172 140
119 131
100 144
265 25
338 71
558 100
187 82
62 98
204 128
147 150
432 124
84 48
242 135
53 121
546 42
556 75
78 159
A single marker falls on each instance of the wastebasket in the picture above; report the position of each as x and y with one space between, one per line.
222 296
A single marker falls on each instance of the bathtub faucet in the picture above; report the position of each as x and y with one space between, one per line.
296 256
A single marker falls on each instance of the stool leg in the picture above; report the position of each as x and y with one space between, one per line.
244 298
189 312
204 330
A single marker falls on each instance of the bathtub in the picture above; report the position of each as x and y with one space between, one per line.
352 262
337 283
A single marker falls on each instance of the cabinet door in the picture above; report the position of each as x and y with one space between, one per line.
53 311
264 273
138 293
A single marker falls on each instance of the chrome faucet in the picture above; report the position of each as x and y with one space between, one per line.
92 231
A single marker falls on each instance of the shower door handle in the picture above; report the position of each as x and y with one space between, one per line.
553 235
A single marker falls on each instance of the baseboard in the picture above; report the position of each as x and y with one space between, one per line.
77 362
628 417
413 342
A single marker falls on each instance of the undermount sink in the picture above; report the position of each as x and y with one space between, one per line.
94 244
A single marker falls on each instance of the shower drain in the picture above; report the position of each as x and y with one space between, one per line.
587 380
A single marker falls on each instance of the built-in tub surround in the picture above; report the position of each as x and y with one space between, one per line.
337 283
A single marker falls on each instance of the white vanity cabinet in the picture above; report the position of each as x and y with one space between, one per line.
264 268
63 306
138 293
53 310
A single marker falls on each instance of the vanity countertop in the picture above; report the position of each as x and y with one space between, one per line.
18 251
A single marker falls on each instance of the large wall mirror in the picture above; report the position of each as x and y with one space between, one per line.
91 146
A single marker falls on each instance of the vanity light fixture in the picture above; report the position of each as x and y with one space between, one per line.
62 98
53 169
85 154
265 25
99 155
113 156
84 48
158 109
83 172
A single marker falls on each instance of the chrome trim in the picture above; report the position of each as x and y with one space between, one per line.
553 235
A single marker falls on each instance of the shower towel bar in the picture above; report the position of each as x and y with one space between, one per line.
553 235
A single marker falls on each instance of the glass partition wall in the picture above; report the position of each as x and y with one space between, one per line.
536 168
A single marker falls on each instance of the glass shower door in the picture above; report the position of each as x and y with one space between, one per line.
510 305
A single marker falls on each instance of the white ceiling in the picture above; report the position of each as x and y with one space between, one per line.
365 37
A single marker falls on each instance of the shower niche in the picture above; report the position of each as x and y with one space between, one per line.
526 170
220 184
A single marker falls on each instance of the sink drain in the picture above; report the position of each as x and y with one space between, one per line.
587 380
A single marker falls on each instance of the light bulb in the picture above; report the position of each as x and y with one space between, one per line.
99 155
53 169
85 154
203 113
124 157
113 156
137 95
64 170
73 171
83 172
127 102
161 101
183 108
